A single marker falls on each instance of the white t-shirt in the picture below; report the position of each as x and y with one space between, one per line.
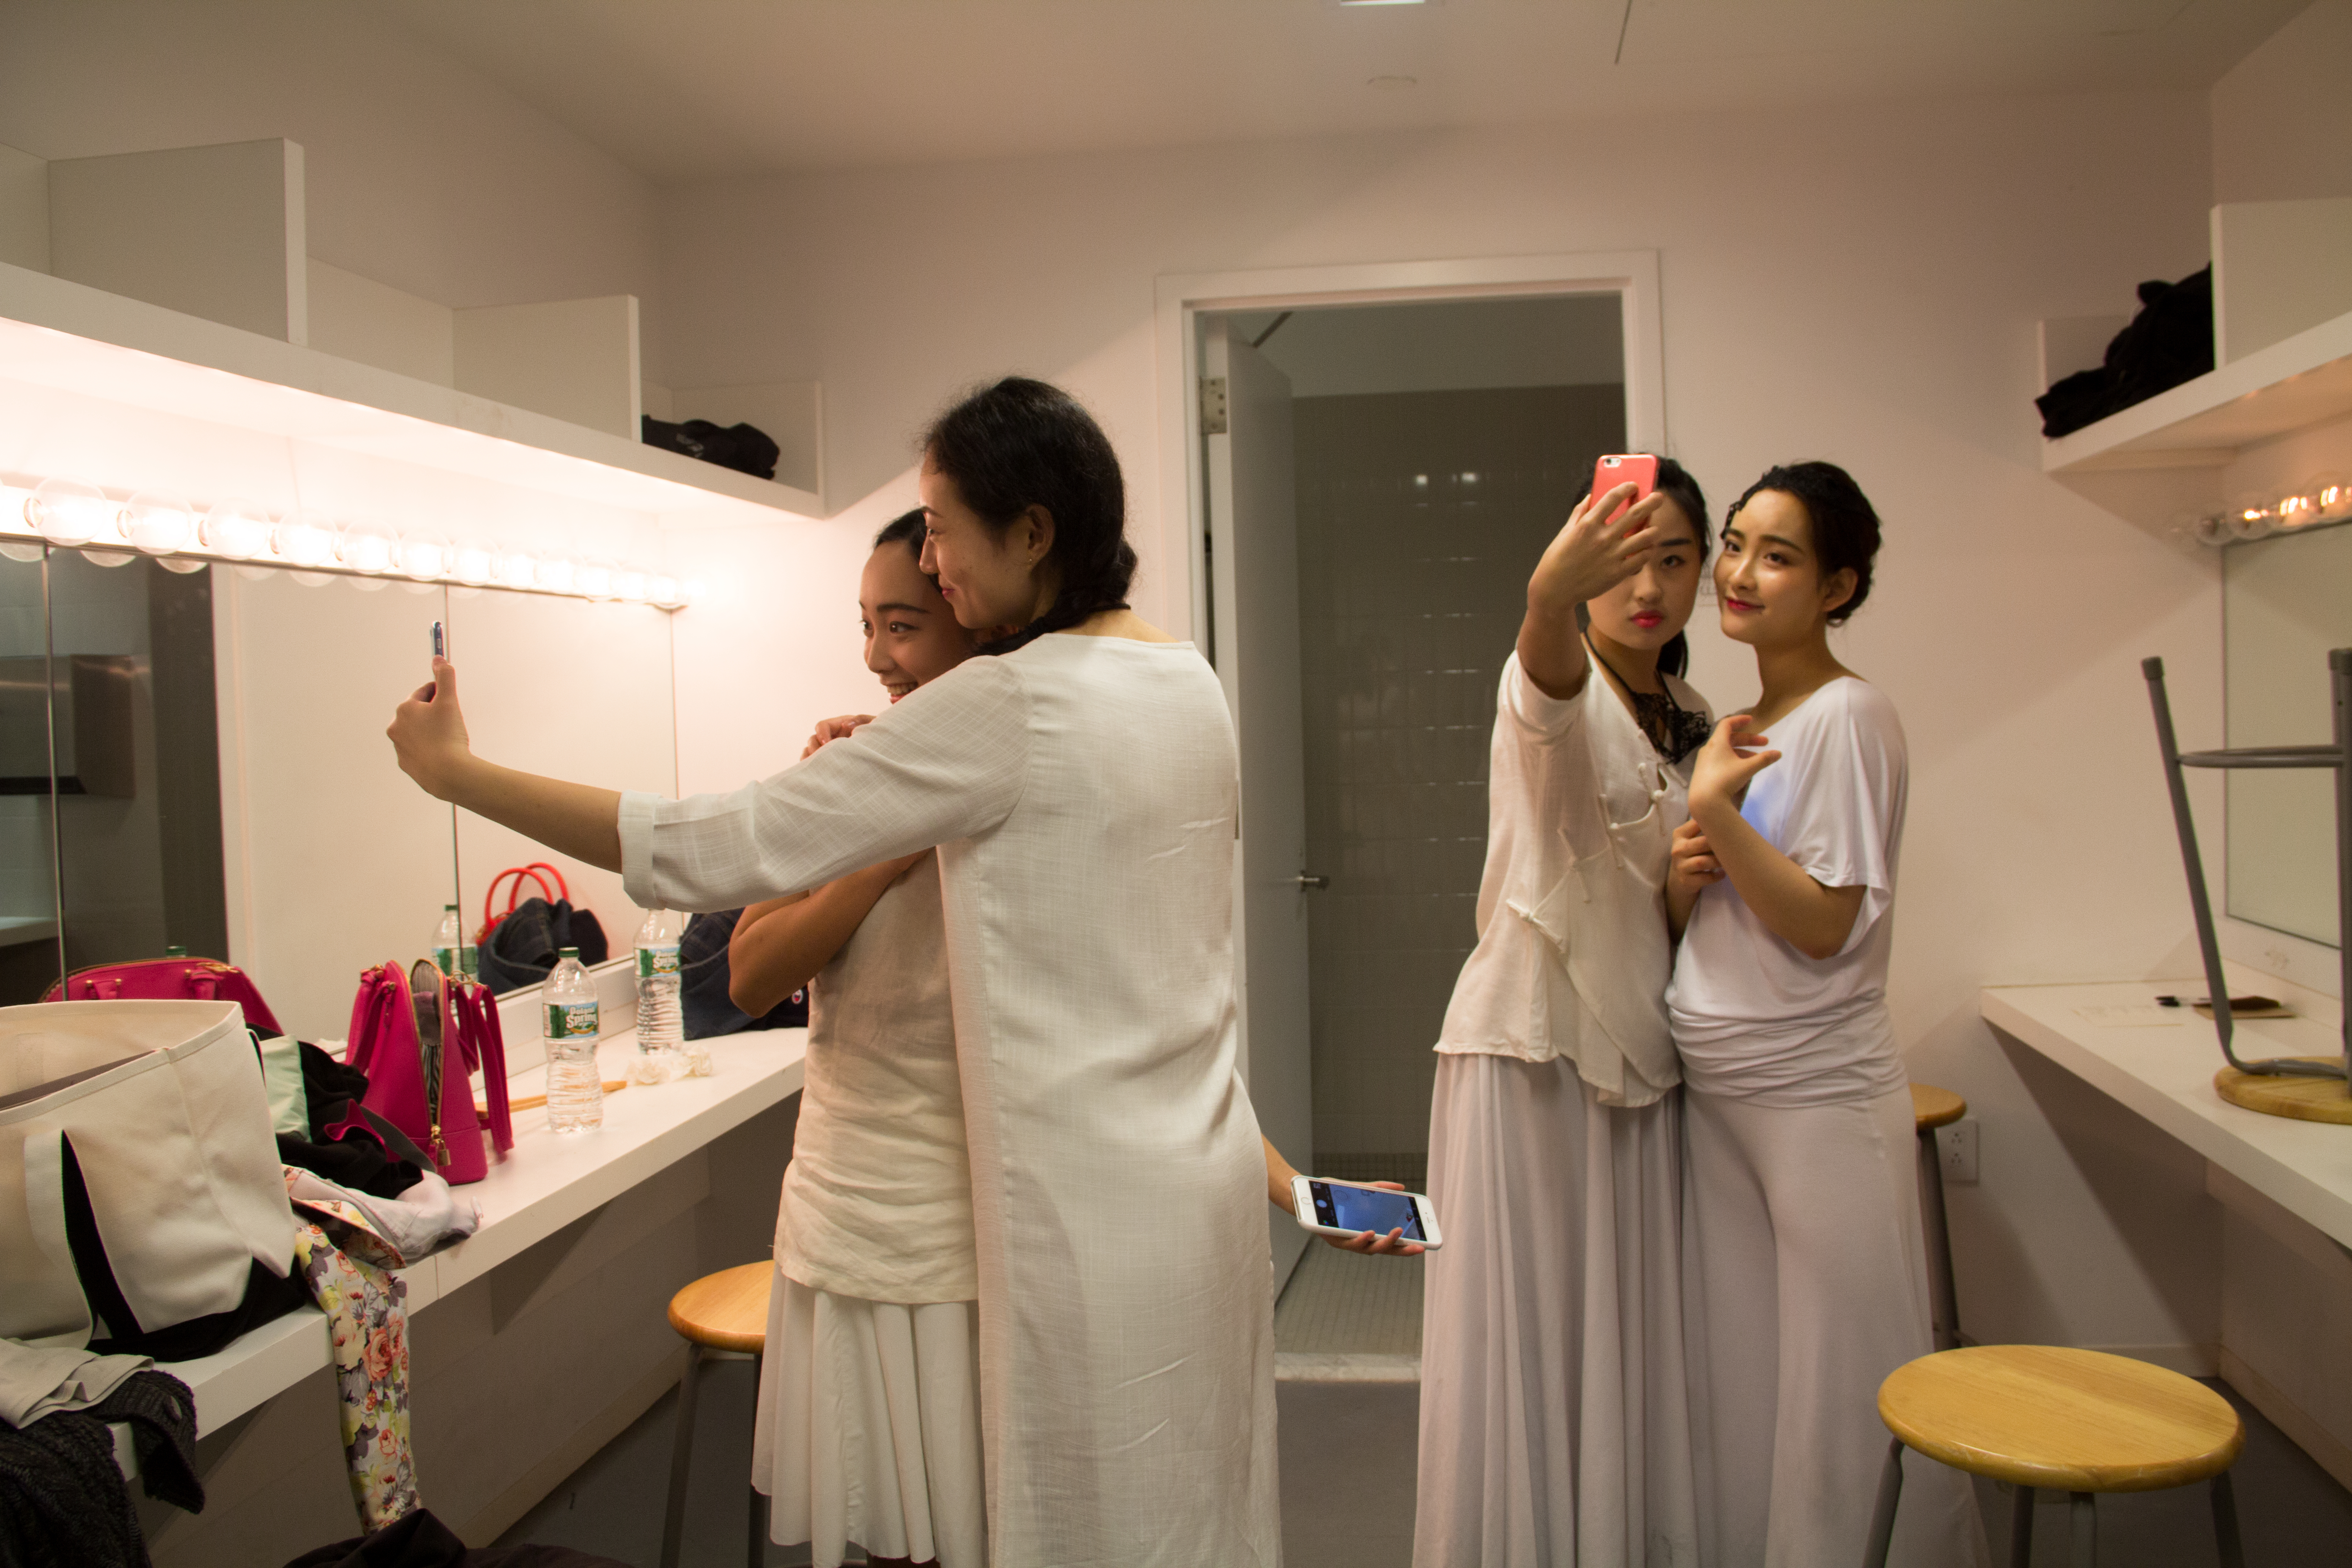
1754 1018
1572 954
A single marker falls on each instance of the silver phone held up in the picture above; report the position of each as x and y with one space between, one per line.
1348 1209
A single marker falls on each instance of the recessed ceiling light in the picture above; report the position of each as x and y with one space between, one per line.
1392 83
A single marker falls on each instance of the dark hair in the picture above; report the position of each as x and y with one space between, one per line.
1677 484
1020 444
906 529
1845 525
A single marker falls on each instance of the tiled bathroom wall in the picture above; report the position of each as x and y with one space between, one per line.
1419 516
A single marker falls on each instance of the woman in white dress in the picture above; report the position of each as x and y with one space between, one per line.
1806 1283
1082 789
1554 1427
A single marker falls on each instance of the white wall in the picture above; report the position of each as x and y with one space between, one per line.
422 175
1860 284
2280 132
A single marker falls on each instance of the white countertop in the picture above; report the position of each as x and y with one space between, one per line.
2164 1070
545 1184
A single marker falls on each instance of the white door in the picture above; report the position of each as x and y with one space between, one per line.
1254 589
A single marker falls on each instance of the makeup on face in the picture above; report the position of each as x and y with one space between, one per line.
1767 574
911 634
1648 609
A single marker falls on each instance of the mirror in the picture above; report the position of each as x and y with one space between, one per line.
28 888
2285 602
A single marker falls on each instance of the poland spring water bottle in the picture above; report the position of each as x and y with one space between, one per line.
453 955
567 1008
660 1027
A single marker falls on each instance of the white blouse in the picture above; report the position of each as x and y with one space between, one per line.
1573 952
1754 1018
878 1198
1083 793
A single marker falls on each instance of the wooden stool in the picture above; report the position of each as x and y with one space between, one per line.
1932 1107
724 1317
2042 1417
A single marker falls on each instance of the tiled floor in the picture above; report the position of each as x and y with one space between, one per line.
1349 1303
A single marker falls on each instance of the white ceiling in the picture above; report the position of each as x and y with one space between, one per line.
698 90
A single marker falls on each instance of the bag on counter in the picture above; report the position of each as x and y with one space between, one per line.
746 448
168 980
517 947
153 1217
419 1036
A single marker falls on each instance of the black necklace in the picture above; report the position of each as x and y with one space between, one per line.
1674 730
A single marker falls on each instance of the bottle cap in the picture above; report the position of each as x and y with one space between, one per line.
451 908
567 953
175 951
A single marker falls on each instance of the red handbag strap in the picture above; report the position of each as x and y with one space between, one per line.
486 1047
514 892
563 889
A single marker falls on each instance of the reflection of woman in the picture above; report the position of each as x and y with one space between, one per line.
1807 1284
869 1412
1081 788
1554 1426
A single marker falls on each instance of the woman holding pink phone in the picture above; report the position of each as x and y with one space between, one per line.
1554 1427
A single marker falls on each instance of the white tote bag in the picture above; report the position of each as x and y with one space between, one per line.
164 1105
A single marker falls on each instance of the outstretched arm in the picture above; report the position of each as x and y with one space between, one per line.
1812 919
428 735
1591 554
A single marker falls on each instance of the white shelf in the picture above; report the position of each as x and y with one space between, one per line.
74 338
2303 381
548 1182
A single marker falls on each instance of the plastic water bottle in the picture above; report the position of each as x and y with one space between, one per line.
661 1029
453 955
567 1009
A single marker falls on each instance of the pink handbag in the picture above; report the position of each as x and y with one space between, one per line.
169 980
419 1036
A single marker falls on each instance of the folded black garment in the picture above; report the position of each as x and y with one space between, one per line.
2169 341
746 448
63 1503
356 1159
328 1086
420 1541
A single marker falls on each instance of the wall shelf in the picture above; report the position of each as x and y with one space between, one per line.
2303 381
74 338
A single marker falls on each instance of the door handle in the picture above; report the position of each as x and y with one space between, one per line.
1305 881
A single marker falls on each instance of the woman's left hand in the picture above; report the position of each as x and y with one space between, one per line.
1727 764
428 732
831 730
1393 1244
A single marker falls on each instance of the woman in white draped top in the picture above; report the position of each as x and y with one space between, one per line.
1082 789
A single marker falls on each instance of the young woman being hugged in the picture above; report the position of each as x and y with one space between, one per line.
1554 1427
1806 1284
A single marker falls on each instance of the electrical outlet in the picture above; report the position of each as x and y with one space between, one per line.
1956 1145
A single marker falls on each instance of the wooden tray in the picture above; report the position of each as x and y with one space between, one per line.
2303 1099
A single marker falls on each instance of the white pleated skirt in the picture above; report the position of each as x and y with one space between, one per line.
868 1427
1554 1427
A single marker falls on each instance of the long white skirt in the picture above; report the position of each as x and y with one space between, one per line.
868 1427
1807 1285
1554 1409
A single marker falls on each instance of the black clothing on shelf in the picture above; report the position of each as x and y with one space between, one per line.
746 448
2169 341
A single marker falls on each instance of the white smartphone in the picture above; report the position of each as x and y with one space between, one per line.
1350 1208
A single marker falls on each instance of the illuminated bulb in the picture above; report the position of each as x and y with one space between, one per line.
516 568
2214 529
67 512
301 544
629 586
237 529
2297 509
182 564
363 549
19 541
555 575
469 564
595 581
157 523
2331 497
108 557
663 591
422 554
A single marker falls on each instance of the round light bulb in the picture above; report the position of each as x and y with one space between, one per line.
516 568
301 544
184 564
157 523
555 575
67 512
469 564
594 580
422 554
238 528
663 591
2296 507
2214 529
2331 497
629 586
363 548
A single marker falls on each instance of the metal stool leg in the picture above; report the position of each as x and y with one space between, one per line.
1943 1293
2225 1523
1882 1518
681 1452
2086 1510
2020 1529
759 1499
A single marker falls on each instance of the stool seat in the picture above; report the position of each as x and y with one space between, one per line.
2069 1420
1932 1107
727 1311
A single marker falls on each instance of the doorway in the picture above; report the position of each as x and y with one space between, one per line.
1379 479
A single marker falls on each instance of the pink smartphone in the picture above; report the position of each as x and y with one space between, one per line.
1639 469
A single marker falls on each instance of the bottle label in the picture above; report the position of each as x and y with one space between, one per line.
444 959
469 962
571 1020
653 960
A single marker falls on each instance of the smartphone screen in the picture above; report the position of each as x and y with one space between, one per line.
1365 1208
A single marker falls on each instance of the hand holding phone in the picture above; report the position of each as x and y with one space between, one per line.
1639 469
440 642
1350 1210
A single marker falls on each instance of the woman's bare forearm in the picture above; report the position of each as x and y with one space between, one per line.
1812 919
579 820
778 947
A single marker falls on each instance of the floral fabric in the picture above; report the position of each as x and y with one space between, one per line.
367 1319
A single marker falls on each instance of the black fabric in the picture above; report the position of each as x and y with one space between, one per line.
2169 341
523 945
703 979
420 1541
267 1296
63 1503
356 1159
327 1087
746 448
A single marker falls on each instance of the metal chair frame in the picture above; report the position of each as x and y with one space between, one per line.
2083 1512
681 1455
2338 757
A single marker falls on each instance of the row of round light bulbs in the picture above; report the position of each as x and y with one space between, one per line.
71 515
2325 499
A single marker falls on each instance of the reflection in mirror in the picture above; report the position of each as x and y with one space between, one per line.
138 795
2285 602
336 860
575 688
28 889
